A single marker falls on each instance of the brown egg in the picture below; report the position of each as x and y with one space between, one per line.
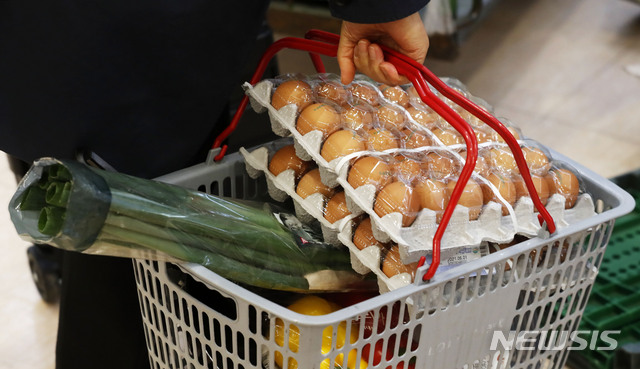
391 118
413 140
497 138
411 91
537 160
292 92
457 108
540 184
506 188
331 91
369 170
440 166
482 166
341 143
363 235
471 197
395 94
405 169
310 183
336 208
397 197
380 139
565 183
320 117
357 118
448 136
433 195
482 136
424 118
502 160
474 122
286 158
364 93
392 264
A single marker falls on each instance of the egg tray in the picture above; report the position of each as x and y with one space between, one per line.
308 146
490 226
370 259
283 186
416 240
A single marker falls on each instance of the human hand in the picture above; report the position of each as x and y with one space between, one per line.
359 48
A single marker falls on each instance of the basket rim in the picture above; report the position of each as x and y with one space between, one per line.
622 203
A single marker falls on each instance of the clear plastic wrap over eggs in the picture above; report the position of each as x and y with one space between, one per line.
375 166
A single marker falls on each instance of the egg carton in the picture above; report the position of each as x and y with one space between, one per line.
415 239
490 226
283 186
308 146
369 260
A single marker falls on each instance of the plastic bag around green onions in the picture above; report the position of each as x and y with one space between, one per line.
74 207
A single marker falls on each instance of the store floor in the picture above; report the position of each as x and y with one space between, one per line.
560 70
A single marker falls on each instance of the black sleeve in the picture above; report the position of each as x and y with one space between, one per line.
374 11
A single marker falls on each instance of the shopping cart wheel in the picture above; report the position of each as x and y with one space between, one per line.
44 263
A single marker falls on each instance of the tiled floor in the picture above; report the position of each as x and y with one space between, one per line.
557 69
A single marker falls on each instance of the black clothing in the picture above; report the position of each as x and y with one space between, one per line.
374 11
142 83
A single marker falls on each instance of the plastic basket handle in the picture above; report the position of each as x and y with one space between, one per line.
313 47
324 43
468 105
394 57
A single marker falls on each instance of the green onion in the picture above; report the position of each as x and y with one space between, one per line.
51 220
58 193
33 198
240 241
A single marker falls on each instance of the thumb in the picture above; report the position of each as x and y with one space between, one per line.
346 48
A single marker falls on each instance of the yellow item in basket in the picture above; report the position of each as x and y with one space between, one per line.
314 305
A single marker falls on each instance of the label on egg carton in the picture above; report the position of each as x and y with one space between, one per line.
283 186
370 258
491 225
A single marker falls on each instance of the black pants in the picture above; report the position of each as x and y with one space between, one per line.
99 298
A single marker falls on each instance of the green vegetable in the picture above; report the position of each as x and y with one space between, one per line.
80 208
33 198
58 193
51 220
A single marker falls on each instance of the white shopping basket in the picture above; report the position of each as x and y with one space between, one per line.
499 311
452 319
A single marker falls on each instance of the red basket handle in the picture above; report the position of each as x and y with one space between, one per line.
314 47
478 112
324 43
393 57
